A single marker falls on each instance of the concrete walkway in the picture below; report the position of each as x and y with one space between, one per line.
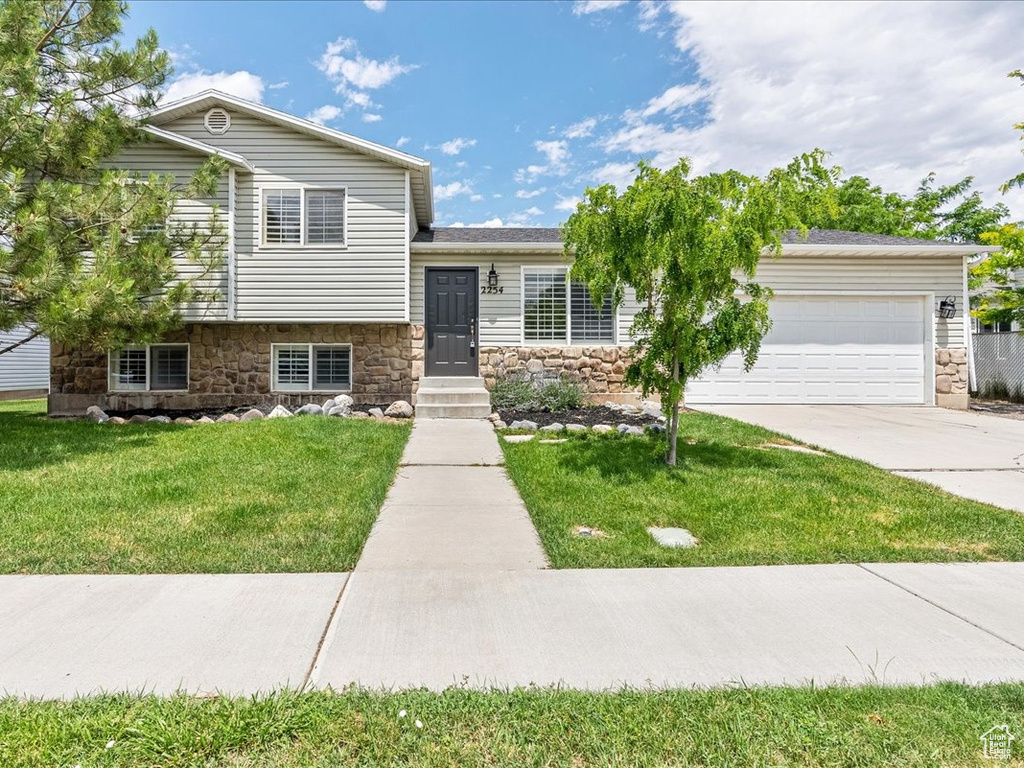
975 455
452 589
452 507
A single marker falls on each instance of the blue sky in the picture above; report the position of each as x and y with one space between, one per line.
521 106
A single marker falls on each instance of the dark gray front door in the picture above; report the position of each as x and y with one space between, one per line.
451 304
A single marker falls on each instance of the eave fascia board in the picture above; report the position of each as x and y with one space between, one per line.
467 248
943 249
198 146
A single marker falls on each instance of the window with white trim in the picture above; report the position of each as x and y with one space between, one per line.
303 216
311 367
157 367
559 311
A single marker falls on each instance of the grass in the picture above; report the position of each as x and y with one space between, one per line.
747 504
850 727
295 494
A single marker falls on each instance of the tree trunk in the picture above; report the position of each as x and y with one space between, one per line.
673 429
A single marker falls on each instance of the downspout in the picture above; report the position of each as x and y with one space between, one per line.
972 383
232 265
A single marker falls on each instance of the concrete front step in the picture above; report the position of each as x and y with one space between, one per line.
452 410
452 382
445 396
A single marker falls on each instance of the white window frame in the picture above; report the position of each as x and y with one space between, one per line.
114 386
523 269
261 238
275 386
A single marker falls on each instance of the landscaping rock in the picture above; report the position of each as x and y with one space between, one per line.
678 538
517 438
279 412
340 411
204 420
160 420
116 420
138 418
499 424
659 428
97 414
310 409
399 410
183 420
495 416
602 429
344 400
328 404
377 413
356 414
251 415
626 429
227 418
556 427
575 427
553 441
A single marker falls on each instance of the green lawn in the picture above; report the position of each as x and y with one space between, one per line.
747 504
850 727
295 494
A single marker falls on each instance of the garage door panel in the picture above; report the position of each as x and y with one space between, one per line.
829 350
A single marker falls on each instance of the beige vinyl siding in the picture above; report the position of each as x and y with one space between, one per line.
362 280
851 275
501 318
164 159
28 366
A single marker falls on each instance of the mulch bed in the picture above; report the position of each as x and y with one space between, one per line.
999 408
587 415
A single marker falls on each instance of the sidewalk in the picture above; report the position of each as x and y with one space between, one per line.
452 589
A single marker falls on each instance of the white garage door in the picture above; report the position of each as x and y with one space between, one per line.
829 349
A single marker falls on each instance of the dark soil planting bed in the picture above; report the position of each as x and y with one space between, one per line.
588 415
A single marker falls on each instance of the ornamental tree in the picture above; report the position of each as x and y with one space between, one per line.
689 248
87 253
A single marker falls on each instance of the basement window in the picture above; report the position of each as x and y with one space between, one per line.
152 368
312 367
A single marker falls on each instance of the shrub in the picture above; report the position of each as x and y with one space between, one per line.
523 391
1000 390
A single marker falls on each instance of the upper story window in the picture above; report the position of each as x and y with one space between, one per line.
559 311
303 216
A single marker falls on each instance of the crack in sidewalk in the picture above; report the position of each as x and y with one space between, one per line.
323 635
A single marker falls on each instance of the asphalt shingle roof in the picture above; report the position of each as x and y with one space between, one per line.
552 235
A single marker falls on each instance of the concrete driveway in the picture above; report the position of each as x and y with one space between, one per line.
978 456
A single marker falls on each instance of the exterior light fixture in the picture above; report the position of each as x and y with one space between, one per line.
947 307
492 278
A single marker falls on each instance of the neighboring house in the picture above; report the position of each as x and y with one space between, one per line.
335 281
25 370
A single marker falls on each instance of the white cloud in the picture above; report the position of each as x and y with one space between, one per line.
489 224
278 86
584 7
370 118
402 141
476 198
526 194
324 114
567 203
619 174
556 152
770 91
448 191
496 195
649 12
455 146
348 68
580 130
524 218
377 6
243 84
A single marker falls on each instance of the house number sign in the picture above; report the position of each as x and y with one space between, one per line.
492 289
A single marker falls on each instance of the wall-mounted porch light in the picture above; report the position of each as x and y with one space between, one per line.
492 278
947 307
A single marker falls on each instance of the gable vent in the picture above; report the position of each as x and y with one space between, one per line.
217 120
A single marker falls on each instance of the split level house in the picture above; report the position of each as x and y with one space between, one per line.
335 280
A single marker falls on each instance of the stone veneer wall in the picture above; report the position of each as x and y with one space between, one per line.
602 369
230 366
951 385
